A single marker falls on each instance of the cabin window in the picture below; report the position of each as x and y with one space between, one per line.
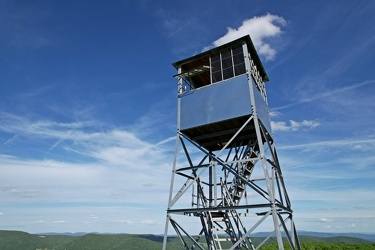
227 64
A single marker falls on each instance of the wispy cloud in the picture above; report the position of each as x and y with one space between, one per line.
42 128
293 125
332 143
123 221
30 193
11 140
21 26
174 24
35 92
118 163
170 24
325 220
260 28
325 94
150 222
33 222
43 222
113 146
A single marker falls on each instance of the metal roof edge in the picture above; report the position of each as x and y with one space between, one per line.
250 46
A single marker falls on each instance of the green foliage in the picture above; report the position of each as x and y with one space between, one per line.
15 240
347 240
323 246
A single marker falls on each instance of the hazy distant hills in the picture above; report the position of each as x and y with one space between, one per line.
17 240
369 237
324 236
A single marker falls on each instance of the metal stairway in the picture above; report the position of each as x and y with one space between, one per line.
245 169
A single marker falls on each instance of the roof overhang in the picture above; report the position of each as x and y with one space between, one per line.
250 47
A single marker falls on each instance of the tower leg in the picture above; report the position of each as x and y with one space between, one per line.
214 188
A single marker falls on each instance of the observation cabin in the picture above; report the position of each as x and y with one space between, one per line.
218 90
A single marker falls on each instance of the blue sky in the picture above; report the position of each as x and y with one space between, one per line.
88 107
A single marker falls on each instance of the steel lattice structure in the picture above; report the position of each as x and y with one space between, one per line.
226 180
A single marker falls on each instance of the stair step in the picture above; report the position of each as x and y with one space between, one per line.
236 197
246 172
222 239
249 164
219 219
217 214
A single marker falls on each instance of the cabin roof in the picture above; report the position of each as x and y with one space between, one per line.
250 47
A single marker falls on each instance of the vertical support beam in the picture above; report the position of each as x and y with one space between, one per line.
179 90
210 184
215 184
269 186
263 158
170 193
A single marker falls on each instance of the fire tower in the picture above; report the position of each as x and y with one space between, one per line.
226 180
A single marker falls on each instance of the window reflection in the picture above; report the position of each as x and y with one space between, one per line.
227 64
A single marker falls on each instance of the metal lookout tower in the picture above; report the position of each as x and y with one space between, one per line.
226 180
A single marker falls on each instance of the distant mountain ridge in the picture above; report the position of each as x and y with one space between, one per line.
18 240
67 233
369 237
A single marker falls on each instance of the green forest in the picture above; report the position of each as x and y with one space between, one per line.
324 246
17 240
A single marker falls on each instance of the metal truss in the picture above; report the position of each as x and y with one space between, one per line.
219 199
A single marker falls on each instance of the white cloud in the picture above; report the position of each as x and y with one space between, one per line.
338 198
21 193
327 227
58 221
260 28
119 169
124 221
325 220
293 125
274 113
333 143
116 147
43 222
33 222
150 222
312 97
170 24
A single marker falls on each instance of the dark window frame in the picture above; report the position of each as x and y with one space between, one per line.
227 64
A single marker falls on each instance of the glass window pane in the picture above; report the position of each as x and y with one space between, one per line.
215 58
227 63
215 66
237 59
216 76
226 55
239 69
228 73
237 50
